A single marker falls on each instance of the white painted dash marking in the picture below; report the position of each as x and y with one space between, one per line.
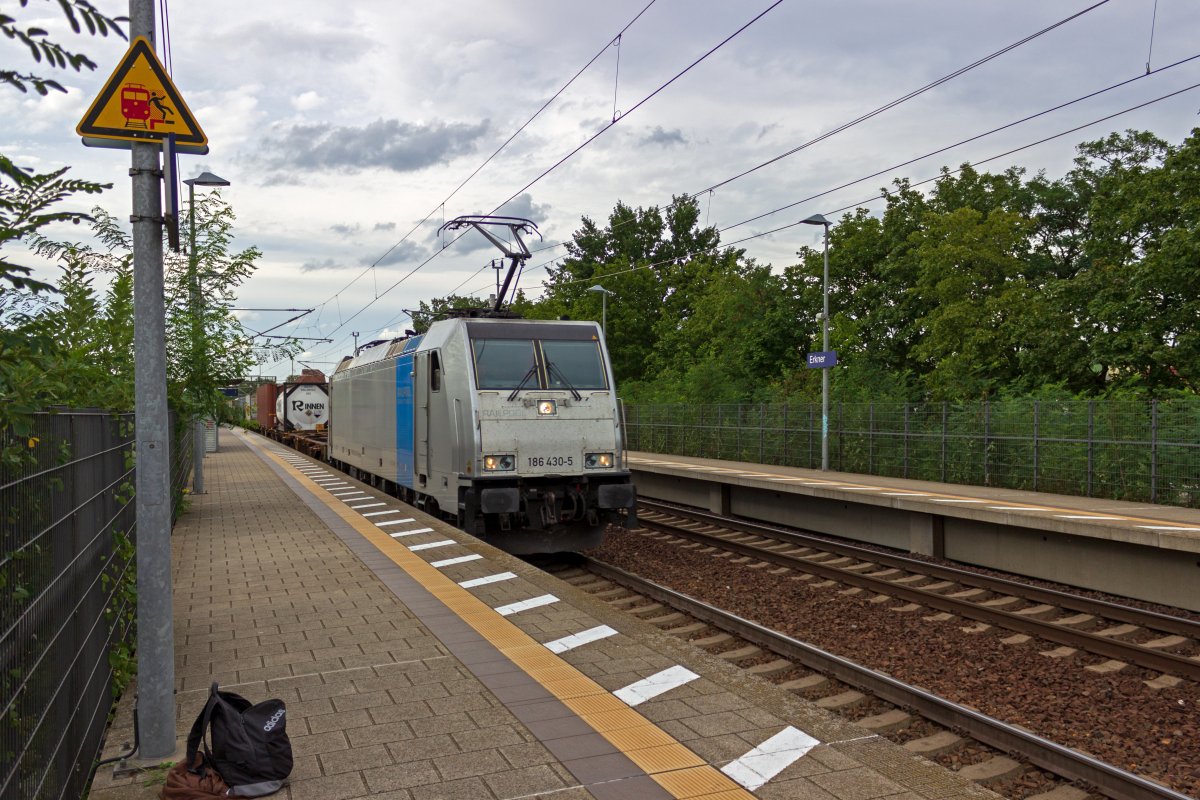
906 494
348 496
858 488
1014 508
770 758
386 522
431 545
953 500
648 688
449 562
500 576
579 639
525 605
413 532
1084 516
368 505
380 513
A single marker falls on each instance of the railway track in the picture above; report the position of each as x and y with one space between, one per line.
1071 621
1069 765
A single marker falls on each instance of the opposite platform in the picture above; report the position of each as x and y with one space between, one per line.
418 662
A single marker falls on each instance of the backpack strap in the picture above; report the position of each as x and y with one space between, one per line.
197 737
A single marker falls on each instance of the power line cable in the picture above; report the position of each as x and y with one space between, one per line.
561 161
915 93
939 176
441 206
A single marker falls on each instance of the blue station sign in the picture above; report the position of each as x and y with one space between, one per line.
822 360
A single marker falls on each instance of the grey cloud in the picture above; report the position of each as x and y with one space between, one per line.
345 230
664 138
312 265
319 42
523 206
390 144
404 252
384 226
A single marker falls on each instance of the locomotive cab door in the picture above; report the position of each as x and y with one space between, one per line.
421 414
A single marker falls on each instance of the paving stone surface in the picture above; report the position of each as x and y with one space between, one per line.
271 602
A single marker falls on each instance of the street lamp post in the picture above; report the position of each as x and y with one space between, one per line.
604 293
203 179
819 219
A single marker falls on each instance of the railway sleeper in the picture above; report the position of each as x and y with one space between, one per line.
992 771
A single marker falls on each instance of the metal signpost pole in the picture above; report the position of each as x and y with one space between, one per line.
155 634
825 348
198 432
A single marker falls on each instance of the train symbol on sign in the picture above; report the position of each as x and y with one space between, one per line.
136 103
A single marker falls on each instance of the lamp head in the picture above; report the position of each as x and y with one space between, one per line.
206 179
816 219
598 288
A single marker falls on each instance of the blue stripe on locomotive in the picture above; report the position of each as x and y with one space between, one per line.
405 413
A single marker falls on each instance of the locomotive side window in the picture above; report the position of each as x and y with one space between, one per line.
574 364
504 363
435 372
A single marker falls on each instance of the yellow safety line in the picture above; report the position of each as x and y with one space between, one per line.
670 764
1104 516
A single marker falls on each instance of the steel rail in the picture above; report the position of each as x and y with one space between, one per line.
1085 605
1161 661
1056 758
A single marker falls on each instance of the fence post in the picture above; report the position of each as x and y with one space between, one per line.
906 440
871 437
944 432
841 436
762 429
787 451
810 435
987 425
1091 444
1035 445
1153 451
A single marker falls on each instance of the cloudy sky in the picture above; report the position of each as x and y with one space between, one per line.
341 126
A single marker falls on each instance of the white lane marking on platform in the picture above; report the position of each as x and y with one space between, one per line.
400 534
770 758
348 496
648 688
858 488
431 545
785 479
954 500
1084 516
906 494
1168 528
368 505
703 469
579 639
525 605
1014 508
449 562
380 513
386 522
501 576
330 482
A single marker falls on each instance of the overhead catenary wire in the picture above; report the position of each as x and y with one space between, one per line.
899 100
442 205
937 151
564 159
922 182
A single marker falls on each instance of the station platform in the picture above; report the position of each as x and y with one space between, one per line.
419 663
1139 550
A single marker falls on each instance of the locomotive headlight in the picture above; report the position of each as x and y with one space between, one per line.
547 408
498 463
598 460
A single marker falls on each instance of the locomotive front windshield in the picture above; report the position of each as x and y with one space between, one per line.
503 363
574 365
545 364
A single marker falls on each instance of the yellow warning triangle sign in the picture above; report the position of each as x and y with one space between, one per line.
140 103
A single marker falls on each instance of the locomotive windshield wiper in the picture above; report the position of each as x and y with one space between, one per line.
532 371
553 368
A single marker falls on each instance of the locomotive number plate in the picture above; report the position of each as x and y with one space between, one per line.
551 461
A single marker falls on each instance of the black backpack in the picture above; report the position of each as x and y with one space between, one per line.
250 747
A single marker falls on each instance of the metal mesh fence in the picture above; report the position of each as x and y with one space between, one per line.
1143 451
66 593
